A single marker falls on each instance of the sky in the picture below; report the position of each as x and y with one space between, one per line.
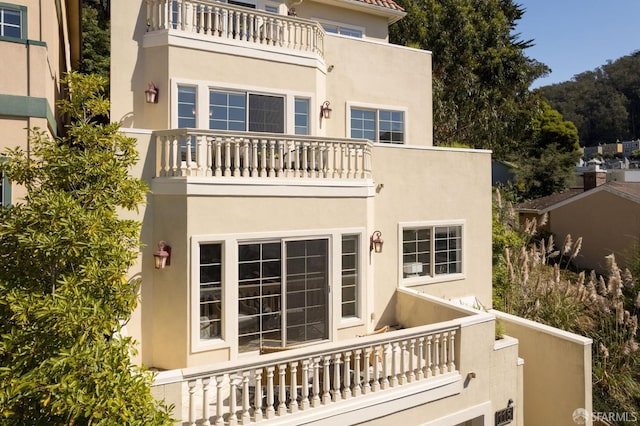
573 36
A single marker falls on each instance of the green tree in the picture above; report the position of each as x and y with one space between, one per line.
64 255
547 167
96 38
481 76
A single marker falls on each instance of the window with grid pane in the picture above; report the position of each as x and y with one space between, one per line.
210 291
350 275
384 126
416 250
448 250
227 110
12 21
431 251
301 118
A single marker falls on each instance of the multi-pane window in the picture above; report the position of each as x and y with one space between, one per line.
246 111
186 107
210 291
385 126
431 251
342 30
301 116
350 275
11 22
282 293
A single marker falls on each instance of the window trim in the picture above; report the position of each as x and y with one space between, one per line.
342 25
202 102
23 21
377 108
435 278
229 280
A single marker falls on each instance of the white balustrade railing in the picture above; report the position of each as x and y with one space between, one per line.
224 21
186 152
281 384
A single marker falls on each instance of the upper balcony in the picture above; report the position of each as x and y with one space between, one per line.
210 20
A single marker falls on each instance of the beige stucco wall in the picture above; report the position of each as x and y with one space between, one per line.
607 224
551 356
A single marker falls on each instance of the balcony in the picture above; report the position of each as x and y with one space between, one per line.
342 380
220 22
219 154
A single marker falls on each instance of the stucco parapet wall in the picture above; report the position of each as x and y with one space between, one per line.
432 148
571 337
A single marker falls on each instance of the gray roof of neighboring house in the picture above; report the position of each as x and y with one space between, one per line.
628 190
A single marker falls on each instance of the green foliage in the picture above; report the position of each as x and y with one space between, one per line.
547 167
481 75
96 38
604 308
64 254
604 104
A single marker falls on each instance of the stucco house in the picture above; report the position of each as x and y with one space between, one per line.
324 261
39 42
605 214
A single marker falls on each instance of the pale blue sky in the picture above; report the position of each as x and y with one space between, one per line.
573 36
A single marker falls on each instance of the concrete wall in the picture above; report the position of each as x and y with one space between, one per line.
557 371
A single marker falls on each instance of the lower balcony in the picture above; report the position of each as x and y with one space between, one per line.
349 381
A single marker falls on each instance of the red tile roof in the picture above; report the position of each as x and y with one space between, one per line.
389 4
548 201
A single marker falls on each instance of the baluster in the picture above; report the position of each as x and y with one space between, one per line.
205 401
166 148
293 391
270 410
163 14
218 158
443 360
236 156
192 402
296 167
429 364
237 30
233 417
356 164
420 355
189 10
403 362
350 162
323 163
263 158
357 387
346 376
290 30
254 157
385 366
251 27
343 153
394 364
245 157
219 401
367 379
336 377
412 351
326 395
314 170
452 351
216 24
305 160
367 162
272 159
304 400
331 160
282 389
281 159
209 171
315 398
174 156
227 22
245 418
227 156
149 15
257 411
436 353
187 155
200 155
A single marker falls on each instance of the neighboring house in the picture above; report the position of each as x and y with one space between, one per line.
629 146
293 173
605 214
39 42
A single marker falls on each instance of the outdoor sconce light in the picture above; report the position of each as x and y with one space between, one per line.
325 110
151 94
376 242
163 256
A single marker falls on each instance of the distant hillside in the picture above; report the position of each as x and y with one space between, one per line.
604 104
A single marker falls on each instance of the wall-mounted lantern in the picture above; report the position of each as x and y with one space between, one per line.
163 256
376 242
151 94
325 110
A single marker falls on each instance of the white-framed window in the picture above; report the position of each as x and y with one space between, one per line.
301 116
342 29
246 111
431 252
13 21
380 125
210 291
350 291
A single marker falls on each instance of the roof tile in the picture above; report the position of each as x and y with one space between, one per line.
389 4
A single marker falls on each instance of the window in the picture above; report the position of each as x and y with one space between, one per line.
13 21
301 116
282 293
431 251
350 275
246 111
385 126
186 107
210 291
342 30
